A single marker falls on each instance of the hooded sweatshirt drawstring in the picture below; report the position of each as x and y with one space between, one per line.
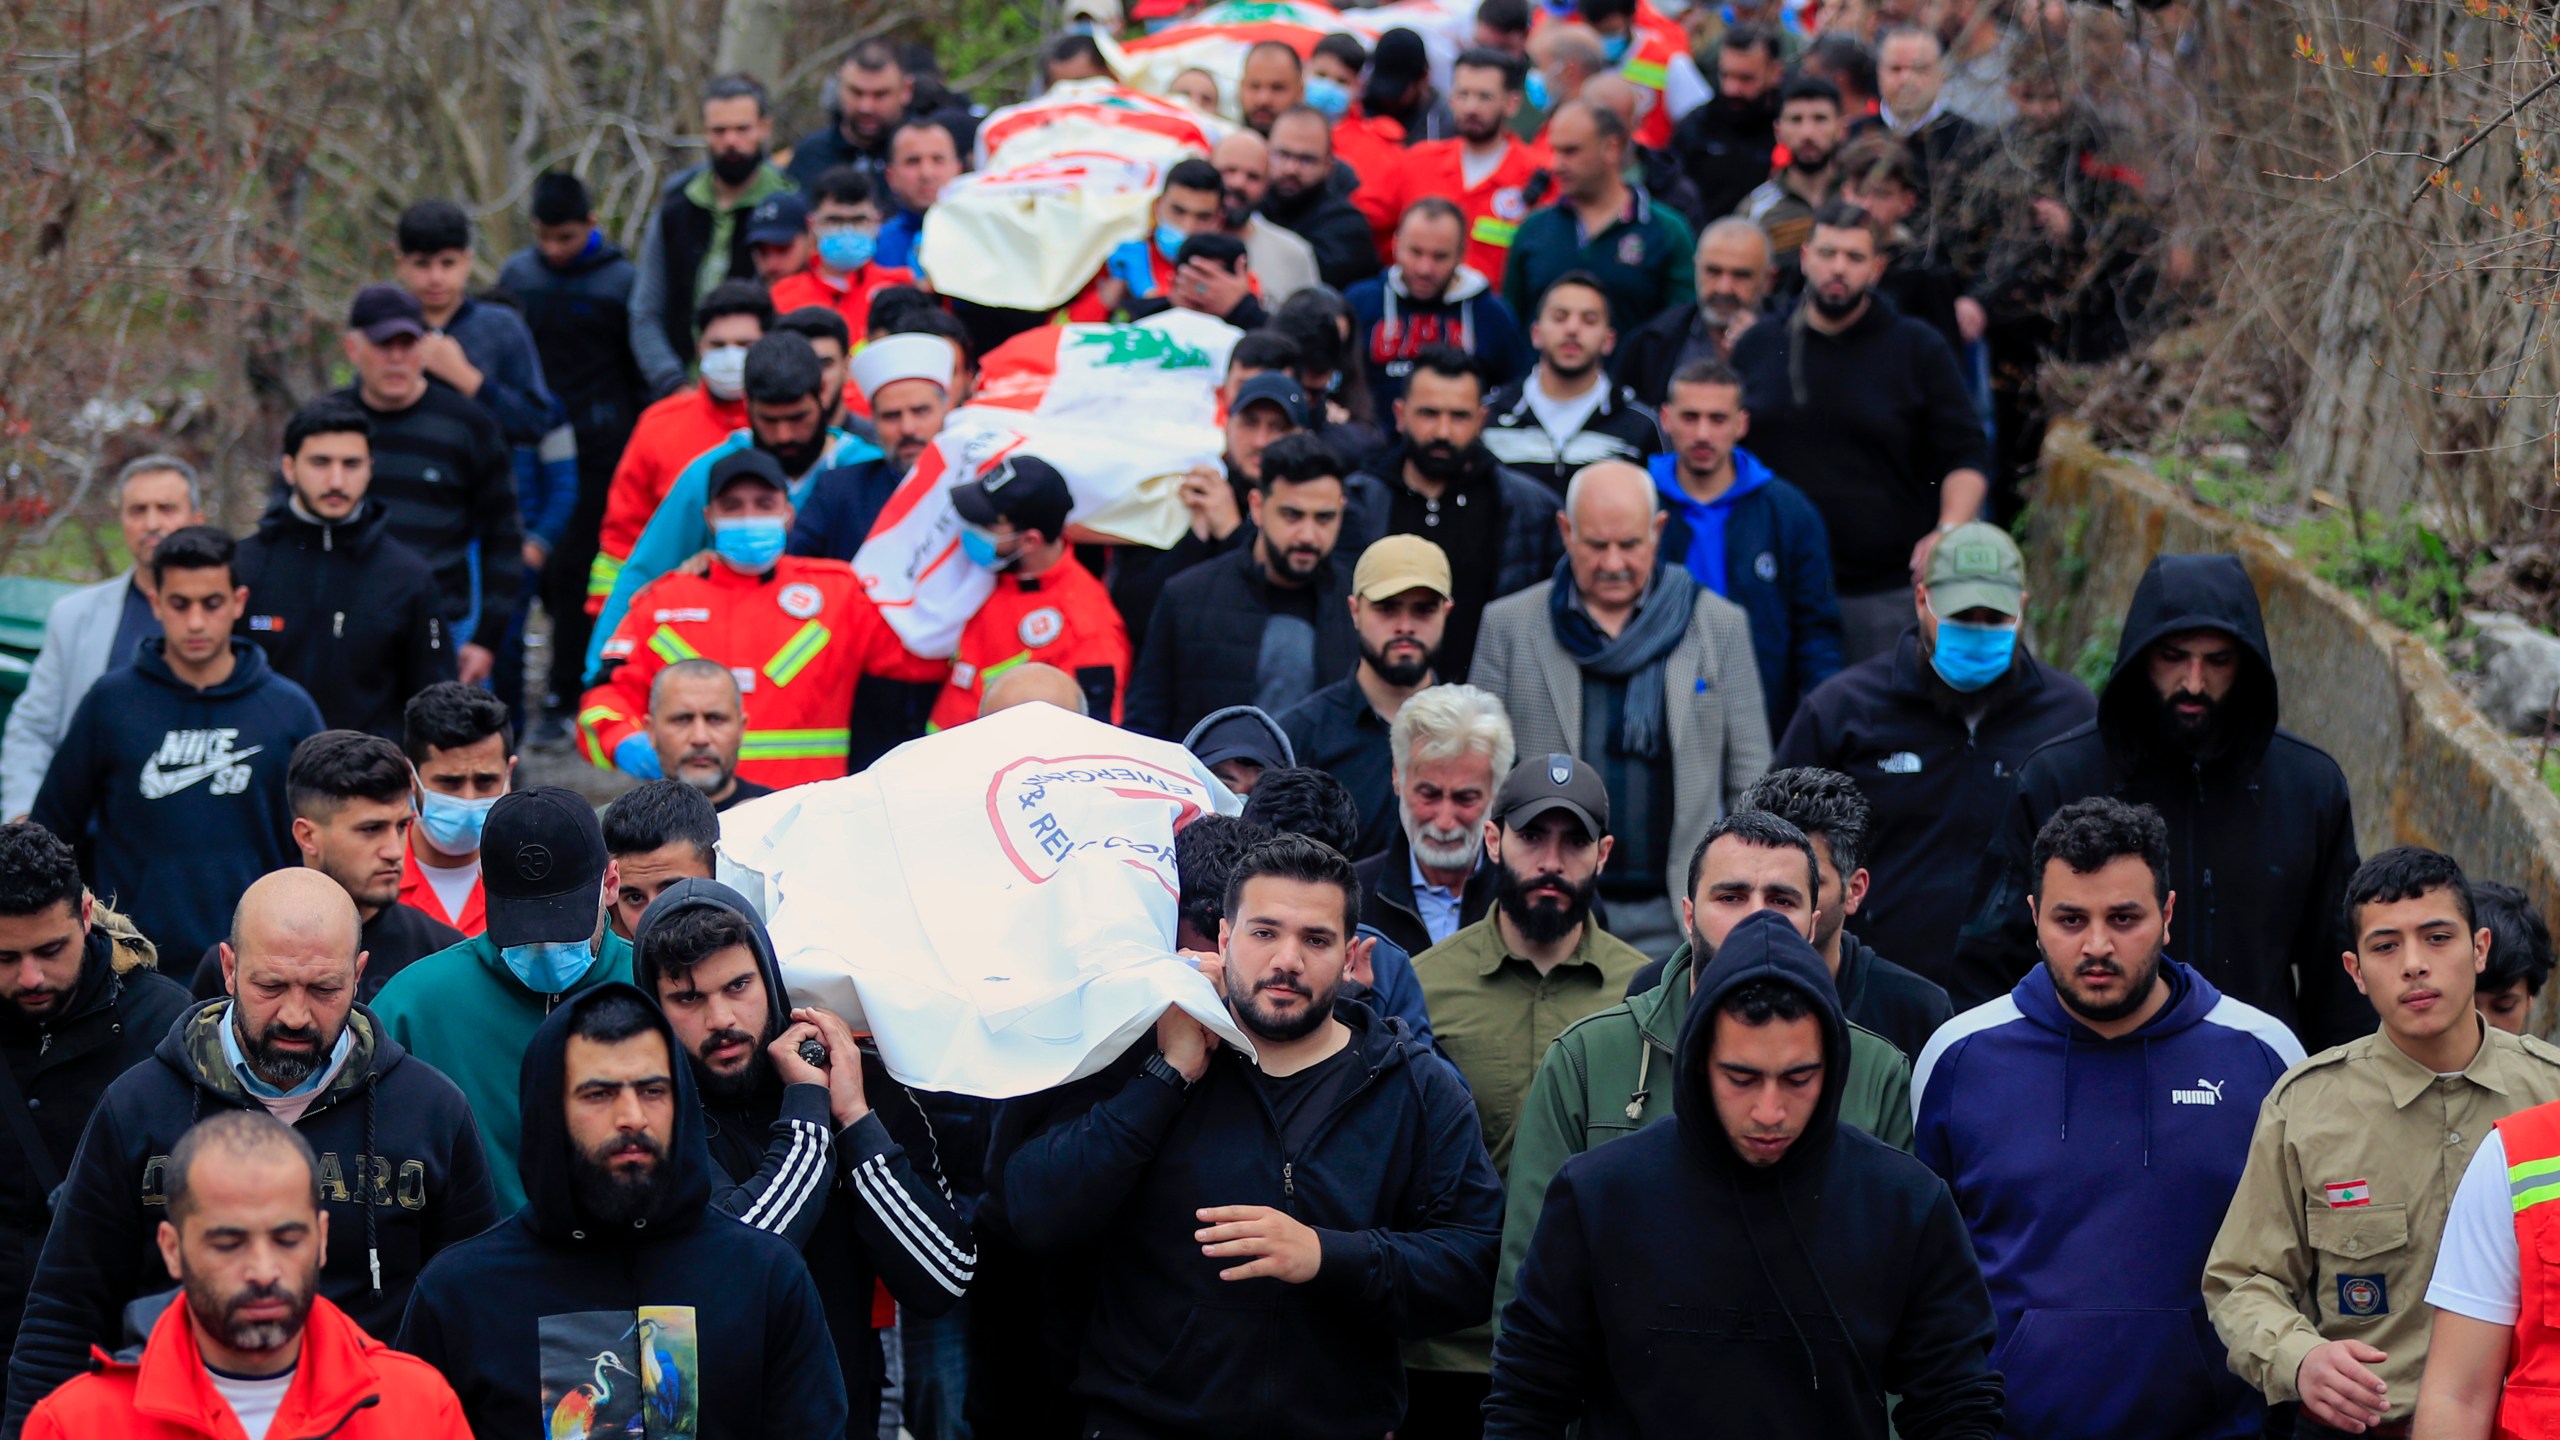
2067 1048
1751 1236
372 1239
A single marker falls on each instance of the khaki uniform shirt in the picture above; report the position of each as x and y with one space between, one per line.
1493 1016
2333 1233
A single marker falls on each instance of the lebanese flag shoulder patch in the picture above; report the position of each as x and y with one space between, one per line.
2347 1194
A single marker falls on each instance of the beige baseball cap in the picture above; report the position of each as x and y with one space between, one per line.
1399 563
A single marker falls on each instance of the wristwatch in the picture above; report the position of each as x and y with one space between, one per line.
1164 1070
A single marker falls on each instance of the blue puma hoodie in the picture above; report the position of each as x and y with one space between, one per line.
2092 1174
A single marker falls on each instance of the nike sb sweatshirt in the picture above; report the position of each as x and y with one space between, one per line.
185 786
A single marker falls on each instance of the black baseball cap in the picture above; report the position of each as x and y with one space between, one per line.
1553 782
385 312
778 219
1271 387
542 860
747 463
1023 489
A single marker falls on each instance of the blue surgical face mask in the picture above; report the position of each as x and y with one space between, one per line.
1169 240
548 967
1539 95
1326 94
452 823
1614 47
846 251
749 543
980 547
1969 657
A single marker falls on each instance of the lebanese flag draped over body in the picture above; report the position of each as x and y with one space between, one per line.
1061 182
1121 410
994 903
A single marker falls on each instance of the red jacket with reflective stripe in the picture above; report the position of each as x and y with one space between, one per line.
1494 206
852 303
1065 618
670 434
169 1395
798 638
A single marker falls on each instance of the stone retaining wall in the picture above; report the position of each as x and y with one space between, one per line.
2425 767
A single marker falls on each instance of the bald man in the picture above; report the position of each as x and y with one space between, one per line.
1668 709
1026 684
402 1170
1280 258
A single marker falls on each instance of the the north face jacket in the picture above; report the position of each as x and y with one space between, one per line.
680 1321
402 1176
2262 832
1939 770
185 787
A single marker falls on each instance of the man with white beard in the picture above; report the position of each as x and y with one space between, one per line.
1451 745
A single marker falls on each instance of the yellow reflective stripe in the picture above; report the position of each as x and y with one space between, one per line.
2534 1182
592 742
1651 74
671 647
794 744
796 653
988 675
1493 230
602 574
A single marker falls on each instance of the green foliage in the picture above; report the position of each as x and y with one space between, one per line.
2404 570
2097 657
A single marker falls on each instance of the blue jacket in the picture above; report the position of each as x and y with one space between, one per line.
843 503
2093 1175
1775 563
494 339
186 787
1395 1182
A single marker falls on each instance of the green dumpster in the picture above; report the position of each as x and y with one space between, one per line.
24 603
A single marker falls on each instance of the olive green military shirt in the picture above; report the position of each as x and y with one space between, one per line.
1493 1015
2333 1233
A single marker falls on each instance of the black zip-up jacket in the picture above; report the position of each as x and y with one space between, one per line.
1527 553
61 1068
1346 249
1725 147
580 316
1394 1179
1938 769
1867 423
2261 833
1668 1279
344 611
1204 640
1386 895
1622 428
708 1320
861 1205
386 1128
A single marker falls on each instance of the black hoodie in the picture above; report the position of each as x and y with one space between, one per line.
2261 833
711 1327
1669 1279
856 1204
1394 1179
186 787
344 611
428 1176
117 1011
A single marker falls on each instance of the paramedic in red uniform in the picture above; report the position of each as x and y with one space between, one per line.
1046 607
797 632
